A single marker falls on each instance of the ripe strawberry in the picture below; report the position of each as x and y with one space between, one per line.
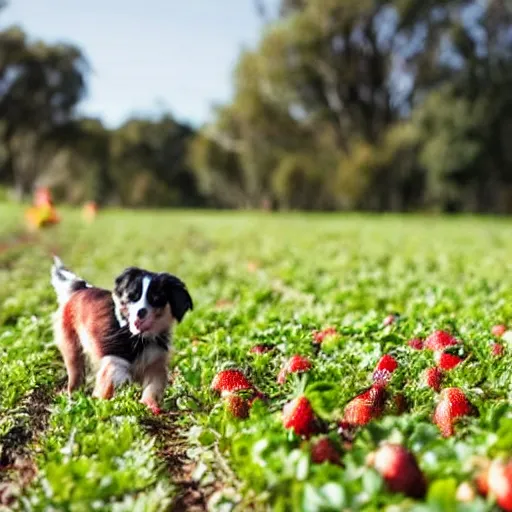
324 450
399 469
385 367
388 363
497 349
366 406
482 482
500 483
296 364
261 349
499 330
298 415
482 464
447 361
415 343
237 406
432 377
229 381
439 340
320 336
452 405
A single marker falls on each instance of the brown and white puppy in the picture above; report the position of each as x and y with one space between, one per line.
125 333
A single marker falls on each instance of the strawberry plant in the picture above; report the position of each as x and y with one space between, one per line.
292 387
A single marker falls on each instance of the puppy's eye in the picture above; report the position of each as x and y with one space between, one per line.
132 297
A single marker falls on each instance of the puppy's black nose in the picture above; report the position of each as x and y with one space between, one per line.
142 313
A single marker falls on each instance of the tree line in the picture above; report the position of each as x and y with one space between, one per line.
399 105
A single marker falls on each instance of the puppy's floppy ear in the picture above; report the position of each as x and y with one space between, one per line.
124 278
177 295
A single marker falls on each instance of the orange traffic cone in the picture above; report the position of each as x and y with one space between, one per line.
43 213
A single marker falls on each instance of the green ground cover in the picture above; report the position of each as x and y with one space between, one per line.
260 279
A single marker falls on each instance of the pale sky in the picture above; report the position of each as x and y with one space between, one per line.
145 54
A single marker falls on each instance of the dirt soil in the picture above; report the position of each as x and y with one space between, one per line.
191 496
17 469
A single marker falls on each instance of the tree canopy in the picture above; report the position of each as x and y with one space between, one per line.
394 105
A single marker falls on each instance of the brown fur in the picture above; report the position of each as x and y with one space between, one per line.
86 326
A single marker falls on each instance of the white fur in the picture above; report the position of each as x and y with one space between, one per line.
134 307
88 345
147 358
154 367
117 310
62 280
119 368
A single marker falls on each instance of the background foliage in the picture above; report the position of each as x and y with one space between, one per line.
377 105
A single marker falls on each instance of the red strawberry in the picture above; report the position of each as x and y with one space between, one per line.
296 364
324 450
366 406
482 482
261 349
497 349
416 344
447 361
385 367
452 405
388 363
298 416
439 340
500 483
320 336
499 330
229 381
433 377
482 465
399 469
237 406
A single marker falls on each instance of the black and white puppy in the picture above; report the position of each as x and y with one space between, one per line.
125 333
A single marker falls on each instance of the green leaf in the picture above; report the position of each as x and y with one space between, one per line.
302 467
372 482
329 497
442 494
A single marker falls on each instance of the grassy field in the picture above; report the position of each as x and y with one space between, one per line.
259 279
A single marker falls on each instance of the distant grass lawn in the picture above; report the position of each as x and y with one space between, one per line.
258 278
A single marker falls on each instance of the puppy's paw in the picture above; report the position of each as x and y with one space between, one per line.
152 405
156 410
106 391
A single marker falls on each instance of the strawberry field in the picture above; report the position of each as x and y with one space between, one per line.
330 363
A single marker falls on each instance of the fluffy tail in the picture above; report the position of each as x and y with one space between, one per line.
64 281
